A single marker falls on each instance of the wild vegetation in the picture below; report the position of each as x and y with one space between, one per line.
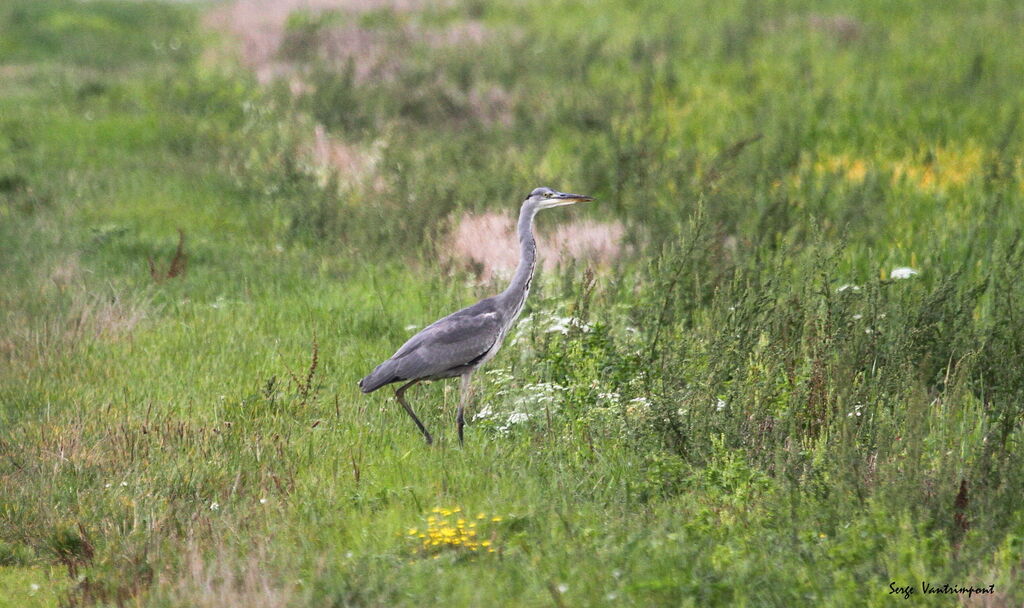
793 378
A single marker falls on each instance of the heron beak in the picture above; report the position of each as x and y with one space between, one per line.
564 198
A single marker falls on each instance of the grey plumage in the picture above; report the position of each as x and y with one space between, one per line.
443 348
459 343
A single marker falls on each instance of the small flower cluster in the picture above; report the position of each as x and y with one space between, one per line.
547 324
526 402
903 272
446 529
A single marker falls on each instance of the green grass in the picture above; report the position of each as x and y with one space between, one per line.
724 424
36 586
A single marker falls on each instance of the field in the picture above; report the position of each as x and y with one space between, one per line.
780 360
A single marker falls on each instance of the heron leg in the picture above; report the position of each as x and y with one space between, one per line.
400 394
464 390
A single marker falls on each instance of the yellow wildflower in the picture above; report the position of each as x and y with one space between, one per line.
441 533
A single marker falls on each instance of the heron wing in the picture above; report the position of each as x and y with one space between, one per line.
455 340
451 342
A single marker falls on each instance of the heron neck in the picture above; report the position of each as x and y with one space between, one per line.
519 288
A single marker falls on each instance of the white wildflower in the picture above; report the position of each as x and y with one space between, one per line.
517 417
562 325
215 506
485 412
638 407
720 404
562 587
640 402
559 325
541 393
513 418
523 330
903 272
263 501
521 404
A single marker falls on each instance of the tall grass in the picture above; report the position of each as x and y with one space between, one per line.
749 407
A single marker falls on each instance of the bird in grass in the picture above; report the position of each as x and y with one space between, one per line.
460 343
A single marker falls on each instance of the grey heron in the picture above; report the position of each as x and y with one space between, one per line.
460 343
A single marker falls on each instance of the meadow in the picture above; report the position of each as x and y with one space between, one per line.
795 377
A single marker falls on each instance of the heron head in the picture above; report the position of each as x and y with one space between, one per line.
544 198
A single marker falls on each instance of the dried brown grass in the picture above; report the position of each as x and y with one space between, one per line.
88 317
486 243
353 164
844 28
491 104
373 54
177 266
107 316
70 312
378 56
259 28
227 581
259 25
